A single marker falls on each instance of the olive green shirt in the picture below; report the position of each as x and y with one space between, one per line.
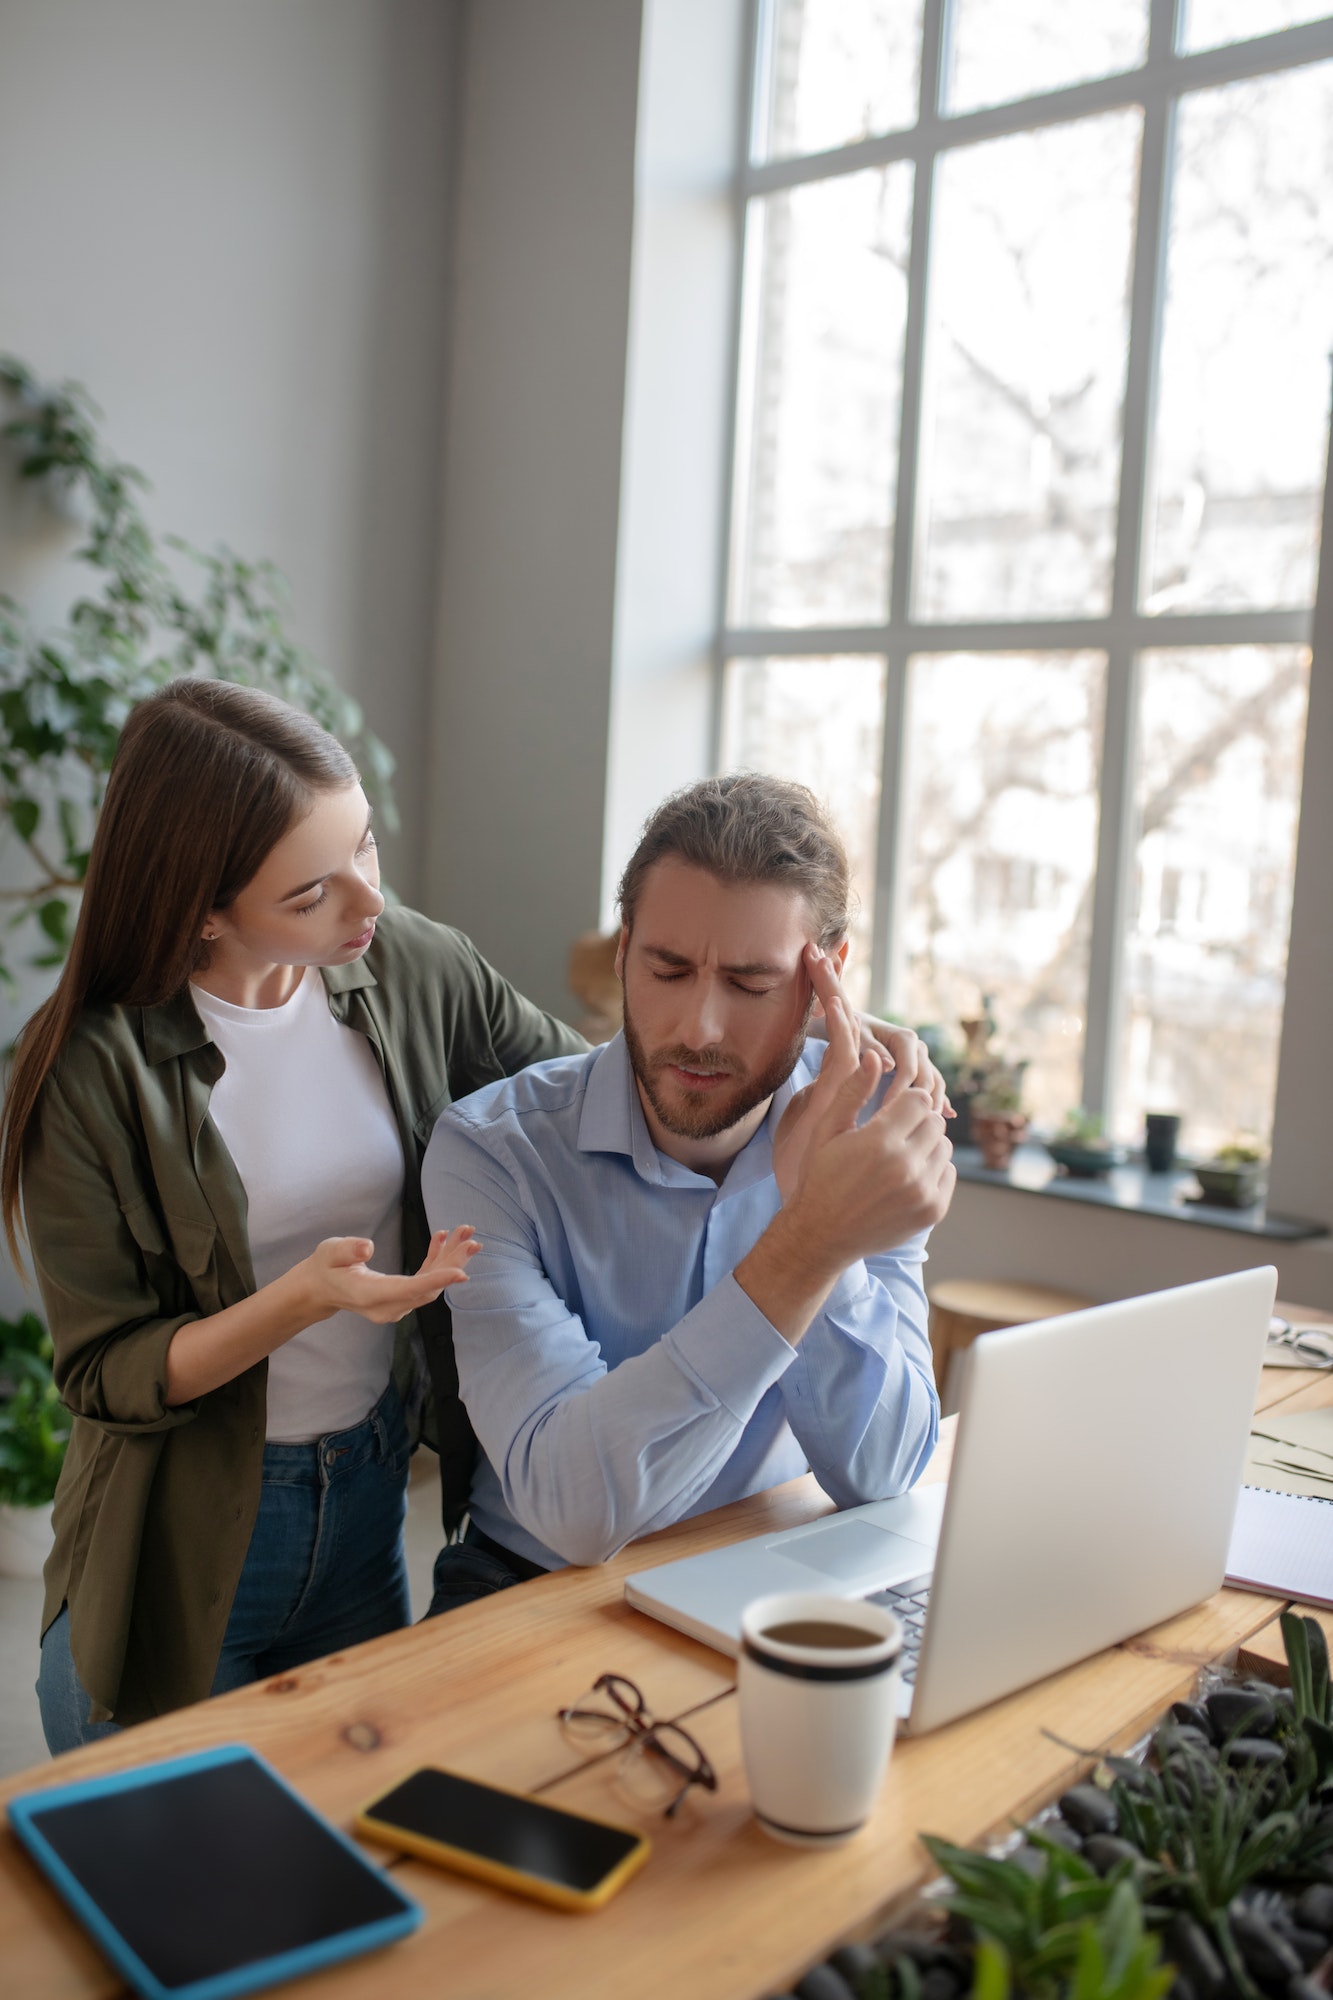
137 1221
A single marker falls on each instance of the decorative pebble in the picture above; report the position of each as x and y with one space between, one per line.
1189 1946
1182 1736
1194 1715
1309 1946
856 1961
1314 1908
1236 1710
1089 1810
1253 1750
1269 1956
1103 1850
824 1982
1306 1989
1062 1834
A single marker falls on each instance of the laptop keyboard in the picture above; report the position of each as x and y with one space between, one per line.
908 1603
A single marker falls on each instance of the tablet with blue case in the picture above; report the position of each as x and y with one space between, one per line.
206 1875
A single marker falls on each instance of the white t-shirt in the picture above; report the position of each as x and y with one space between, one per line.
304 1113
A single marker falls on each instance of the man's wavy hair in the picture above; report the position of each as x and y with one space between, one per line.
750 828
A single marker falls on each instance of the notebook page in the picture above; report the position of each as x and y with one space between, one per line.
1283 1544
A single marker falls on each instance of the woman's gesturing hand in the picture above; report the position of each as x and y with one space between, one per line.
339 1274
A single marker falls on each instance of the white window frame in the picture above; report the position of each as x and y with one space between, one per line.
1125 632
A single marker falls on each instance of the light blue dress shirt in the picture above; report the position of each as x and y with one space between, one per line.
617 1376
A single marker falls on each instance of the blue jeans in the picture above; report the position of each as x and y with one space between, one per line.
325 1569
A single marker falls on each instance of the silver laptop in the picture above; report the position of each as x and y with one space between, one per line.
1095 1476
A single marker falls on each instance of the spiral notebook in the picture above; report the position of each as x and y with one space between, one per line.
1282 1544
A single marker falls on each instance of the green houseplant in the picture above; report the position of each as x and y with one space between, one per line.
155 609
1234 1177
34 1429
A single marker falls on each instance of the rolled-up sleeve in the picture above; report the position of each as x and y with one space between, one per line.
107 1319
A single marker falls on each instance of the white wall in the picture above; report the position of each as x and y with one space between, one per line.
676 435
535 409
229 220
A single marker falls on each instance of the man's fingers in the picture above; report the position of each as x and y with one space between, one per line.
843 1104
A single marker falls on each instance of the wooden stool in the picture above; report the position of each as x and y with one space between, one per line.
961 1308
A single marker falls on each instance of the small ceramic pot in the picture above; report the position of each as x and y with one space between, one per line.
1228 1184
26 1539
997 1133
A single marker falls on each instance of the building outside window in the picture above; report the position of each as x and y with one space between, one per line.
1031 425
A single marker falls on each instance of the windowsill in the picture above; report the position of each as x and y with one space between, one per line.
1133 1190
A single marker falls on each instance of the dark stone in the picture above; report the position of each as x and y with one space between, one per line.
1103 1850
943 1982
856 1962
1269 1956
1060 1834
1310 1946
1194 1715
1314 1908
1189 1946
823 1982
1237 1711
1182 1988
1182 1736
1253 1750
1032 1860
1089 1810
1134 1777
1306 1989
1191 1776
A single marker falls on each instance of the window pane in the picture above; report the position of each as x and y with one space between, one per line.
1026 371
1000 848
818 447
1003 49
1243 404
822 722
1221 740
1211 22
838 71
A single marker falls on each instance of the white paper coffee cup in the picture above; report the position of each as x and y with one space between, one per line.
817 1717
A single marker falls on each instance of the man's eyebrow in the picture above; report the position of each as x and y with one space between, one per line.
758 969
302 887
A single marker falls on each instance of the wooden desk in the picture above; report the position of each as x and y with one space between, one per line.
721 1912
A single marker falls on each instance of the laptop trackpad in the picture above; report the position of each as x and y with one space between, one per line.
855 1552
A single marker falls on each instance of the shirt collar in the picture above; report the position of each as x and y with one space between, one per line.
612 1121
175 1027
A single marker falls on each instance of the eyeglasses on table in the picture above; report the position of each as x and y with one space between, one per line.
662 1761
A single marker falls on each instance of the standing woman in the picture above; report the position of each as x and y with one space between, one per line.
211 1126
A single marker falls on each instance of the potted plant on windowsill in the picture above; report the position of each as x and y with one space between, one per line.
34 1429
1234 1177
1081 1147
998 1119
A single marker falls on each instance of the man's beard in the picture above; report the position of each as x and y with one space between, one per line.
708 1116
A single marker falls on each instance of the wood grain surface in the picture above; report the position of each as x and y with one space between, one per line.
721 1912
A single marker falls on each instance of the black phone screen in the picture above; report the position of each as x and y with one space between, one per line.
518 1833
213 1869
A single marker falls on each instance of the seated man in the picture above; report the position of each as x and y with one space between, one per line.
699 1273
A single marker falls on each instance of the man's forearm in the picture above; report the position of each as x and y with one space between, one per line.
787 1276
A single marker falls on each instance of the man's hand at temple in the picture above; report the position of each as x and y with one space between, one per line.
848 1189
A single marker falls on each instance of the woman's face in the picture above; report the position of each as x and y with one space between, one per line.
315 899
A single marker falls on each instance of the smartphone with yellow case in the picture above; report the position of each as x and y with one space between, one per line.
505 1838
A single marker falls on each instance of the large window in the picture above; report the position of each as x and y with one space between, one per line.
1031 418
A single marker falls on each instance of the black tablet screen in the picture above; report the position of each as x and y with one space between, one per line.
213 1870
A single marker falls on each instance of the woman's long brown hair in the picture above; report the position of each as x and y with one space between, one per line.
206 779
